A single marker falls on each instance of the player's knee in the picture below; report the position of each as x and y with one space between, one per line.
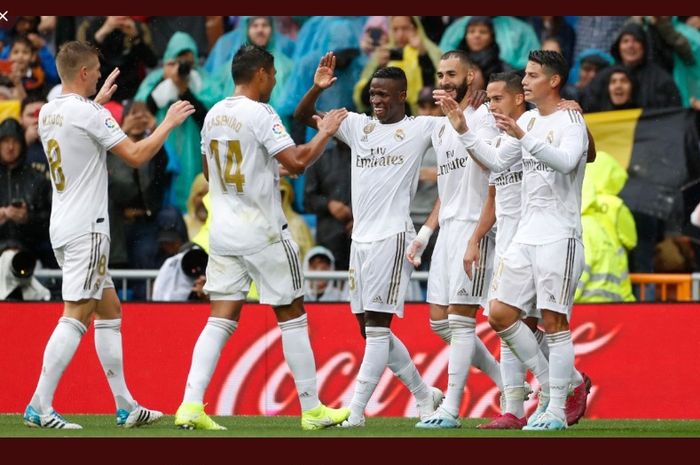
501 316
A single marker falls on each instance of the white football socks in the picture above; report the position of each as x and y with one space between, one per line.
376 358
460 360
206 355
300 358
58 353
108 344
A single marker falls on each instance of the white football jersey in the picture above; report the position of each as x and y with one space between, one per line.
240 139
552 198
385 165
76 134
462 184
508 184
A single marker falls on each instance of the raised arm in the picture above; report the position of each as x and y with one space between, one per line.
323 79
495 159
564 158
296 158
135 154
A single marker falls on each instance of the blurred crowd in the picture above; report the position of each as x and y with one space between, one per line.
159 211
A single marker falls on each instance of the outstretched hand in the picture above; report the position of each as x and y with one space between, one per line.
178 112
331 120
569 105
324 77
108 88
451 109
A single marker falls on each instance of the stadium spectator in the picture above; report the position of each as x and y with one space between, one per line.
76 133
29 120
327 195
409 49
180 79
515 38
23 69
126 44
27 27
163 28
297 226
197 213
182 277
597 32
17 281
589 63
481 47
136 198
621 92
24 196
555 27
322 290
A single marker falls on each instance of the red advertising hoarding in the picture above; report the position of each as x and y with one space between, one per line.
642 359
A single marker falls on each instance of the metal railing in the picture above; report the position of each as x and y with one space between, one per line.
686 285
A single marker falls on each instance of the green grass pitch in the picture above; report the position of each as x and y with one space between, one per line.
287 426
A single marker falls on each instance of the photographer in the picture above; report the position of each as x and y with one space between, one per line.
182 276
24 196
16 275
126 44
180 79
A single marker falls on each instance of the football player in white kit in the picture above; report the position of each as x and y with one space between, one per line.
243 144
454 297
386 155
552 145
76 133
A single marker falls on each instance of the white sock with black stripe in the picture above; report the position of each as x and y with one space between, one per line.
108 344
206 355
300 358
460 360
374 362
561 364
58 353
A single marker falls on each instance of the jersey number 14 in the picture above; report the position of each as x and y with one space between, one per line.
233 152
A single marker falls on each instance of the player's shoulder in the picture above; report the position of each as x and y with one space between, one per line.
567 117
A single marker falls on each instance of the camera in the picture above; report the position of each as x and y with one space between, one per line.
396 54
375 34
184 68
194 262
23 264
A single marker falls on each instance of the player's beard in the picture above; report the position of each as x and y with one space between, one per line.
461 90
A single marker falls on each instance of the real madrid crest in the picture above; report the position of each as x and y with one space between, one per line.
531 124
399 134
550 137
369 127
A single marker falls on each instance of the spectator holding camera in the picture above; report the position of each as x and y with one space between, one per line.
24 196
16 275
408 48
180 79
125 44
182 276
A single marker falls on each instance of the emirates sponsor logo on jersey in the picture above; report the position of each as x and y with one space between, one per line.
508 178
451 165
531 164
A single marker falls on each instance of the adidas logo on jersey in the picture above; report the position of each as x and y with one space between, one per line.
377 300
462 292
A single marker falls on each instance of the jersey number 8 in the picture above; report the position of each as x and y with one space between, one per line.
54 155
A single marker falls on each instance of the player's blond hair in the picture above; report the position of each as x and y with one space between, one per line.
72 56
